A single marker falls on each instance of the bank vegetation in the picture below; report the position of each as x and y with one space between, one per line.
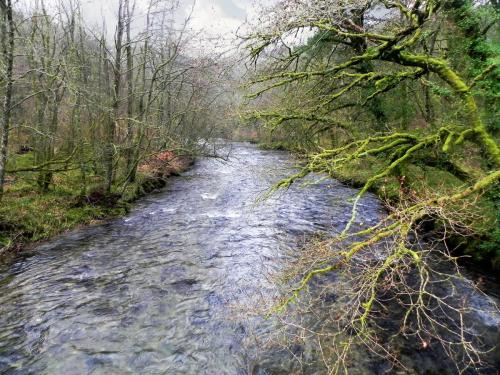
86 106
400 98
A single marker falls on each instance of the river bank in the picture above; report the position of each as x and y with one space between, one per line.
174 285
28 216
479 247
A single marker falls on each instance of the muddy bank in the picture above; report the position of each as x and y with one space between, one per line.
158 169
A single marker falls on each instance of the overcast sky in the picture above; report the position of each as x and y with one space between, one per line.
220 19
215 19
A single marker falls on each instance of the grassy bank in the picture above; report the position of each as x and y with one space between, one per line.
28 215
415 181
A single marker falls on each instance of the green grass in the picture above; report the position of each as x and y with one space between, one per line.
28 215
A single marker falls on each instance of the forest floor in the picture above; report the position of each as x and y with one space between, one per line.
28 216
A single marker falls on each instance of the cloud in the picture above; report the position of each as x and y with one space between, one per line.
231 9
213 20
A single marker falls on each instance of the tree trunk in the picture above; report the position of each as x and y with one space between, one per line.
111 128
8 52
130 91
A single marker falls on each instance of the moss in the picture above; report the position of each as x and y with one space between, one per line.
357 172
35 216
418 180
19 161
430 178
485 247
276 145
28 215
283 146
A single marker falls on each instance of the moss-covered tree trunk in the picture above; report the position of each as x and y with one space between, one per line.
7 30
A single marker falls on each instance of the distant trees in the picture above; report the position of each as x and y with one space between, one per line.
379 85
83 103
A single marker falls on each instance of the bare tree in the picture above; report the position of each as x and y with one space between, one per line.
7 35
109 151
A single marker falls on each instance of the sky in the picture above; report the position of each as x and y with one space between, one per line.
220 19
217 20
220 16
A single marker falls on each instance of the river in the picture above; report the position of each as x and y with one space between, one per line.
152 293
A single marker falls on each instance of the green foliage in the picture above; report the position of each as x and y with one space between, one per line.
276 145
346 94
490 244
439 90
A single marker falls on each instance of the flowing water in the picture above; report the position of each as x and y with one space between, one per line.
152 293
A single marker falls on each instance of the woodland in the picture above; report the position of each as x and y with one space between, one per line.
395 97
91 117
399 98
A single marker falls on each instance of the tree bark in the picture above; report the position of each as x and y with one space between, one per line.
130 90
8 52
111 128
